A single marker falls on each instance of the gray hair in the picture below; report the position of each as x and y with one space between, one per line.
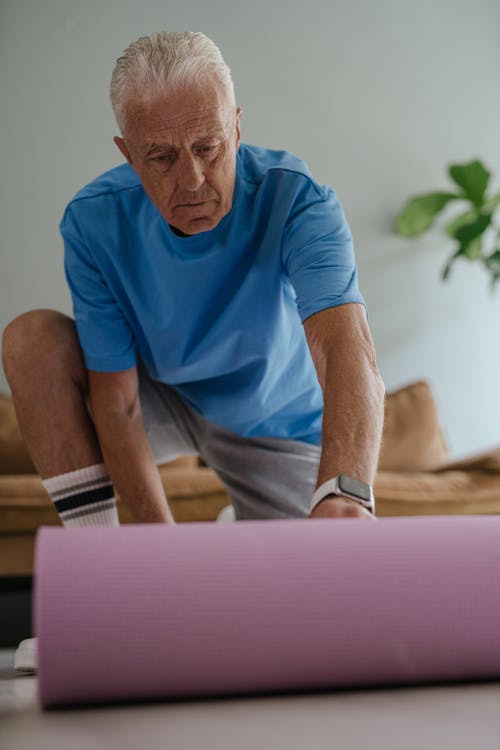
167 59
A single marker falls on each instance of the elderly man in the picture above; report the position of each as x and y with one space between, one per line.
217 313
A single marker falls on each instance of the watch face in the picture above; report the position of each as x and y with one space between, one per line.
354 487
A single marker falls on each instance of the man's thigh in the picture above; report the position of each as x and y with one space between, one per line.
265 477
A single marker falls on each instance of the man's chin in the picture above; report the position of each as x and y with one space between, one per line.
196 226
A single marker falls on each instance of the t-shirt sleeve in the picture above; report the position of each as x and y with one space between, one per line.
105 336
318 253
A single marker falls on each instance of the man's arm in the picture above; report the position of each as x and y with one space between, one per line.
116 412
353 392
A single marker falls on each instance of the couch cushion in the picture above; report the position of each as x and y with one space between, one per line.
488 461
14 458
441 493
412 439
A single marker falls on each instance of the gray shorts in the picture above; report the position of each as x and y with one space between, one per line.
264 477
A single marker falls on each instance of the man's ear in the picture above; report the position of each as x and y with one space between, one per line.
120 142
239 113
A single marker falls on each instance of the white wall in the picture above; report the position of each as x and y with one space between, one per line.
376 96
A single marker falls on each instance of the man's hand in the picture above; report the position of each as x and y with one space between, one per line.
341 507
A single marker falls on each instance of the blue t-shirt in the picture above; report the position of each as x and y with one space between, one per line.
217 315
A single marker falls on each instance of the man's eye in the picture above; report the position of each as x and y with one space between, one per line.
162 160
207 150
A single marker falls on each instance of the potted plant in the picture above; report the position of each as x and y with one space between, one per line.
476 236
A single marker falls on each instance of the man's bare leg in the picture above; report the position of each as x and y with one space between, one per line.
45 368
46 372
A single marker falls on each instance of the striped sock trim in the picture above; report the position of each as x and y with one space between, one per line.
84 497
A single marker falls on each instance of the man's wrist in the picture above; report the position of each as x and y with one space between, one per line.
347 488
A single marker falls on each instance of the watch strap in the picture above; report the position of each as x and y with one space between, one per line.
331 487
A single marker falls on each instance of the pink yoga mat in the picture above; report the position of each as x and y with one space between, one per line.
152 611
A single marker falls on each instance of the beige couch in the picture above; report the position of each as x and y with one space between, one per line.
415 477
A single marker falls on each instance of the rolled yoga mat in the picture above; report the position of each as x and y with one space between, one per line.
152 611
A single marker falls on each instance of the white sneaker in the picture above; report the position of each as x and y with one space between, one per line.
25 656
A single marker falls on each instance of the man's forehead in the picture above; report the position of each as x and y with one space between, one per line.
189 114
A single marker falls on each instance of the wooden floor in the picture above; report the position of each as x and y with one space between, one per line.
456 717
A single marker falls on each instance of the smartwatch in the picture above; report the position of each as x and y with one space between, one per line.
345 486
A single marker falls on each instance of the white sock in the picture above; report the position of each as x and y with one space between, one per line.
84 497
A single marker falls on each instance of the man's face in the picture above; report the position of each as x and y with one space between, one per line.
183 147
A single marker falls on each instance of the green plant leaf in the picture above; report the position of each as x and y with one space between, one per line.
472 249
493 262
418 213
447 267
470 231
468 217
473 178
492 203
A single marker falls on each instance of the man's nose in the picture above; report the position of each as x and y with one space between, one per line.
190 174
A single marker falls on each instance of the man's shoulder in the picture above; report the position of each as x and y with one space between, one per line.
112 182
256 163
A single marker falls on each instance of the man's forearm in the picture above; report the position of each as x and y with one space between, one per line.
131 464
343 352
353 416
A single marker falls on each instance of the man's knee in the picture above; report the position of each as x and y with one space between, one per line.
35 335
